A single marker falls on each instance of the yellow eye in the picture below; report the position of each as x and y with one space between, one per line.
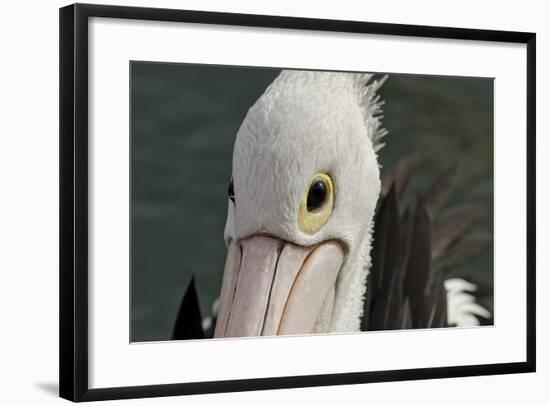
316 204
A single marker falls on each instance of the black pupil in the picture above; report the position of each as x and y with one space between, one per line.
317 195
231 191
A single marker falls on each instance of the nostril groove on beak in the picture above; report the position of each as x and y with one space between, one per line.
280 248
234 289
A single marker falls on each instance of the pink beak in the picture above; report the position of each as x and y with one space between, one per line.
273 287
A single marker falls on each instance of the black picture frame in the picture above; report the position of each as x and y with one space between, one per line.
73 197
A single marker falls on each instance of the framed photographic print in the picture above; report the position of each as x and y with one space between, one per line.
256 202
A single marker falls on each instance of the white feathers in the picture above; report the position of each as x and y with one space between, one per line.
207 321
371 106
462 309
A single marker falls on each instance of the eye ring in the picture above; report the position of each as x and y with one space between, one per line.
317 203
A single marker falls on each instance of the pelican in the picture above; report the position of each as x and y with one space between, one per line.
304 190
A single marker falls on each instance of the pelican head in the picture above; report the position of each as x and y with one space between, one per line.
304 187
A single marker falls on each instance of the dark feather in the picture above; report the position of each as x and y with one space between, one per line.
452 225
384 304
419 266
438 193
435 303
467 249
189 321
404 320
400 177
412 252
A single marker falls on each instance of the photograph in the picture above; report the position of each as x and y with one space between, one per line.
275 201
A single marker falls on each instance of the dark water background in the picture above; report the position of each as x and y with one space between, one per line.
184 119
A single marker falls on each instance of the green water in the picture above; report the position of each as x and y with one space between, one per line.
184 119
